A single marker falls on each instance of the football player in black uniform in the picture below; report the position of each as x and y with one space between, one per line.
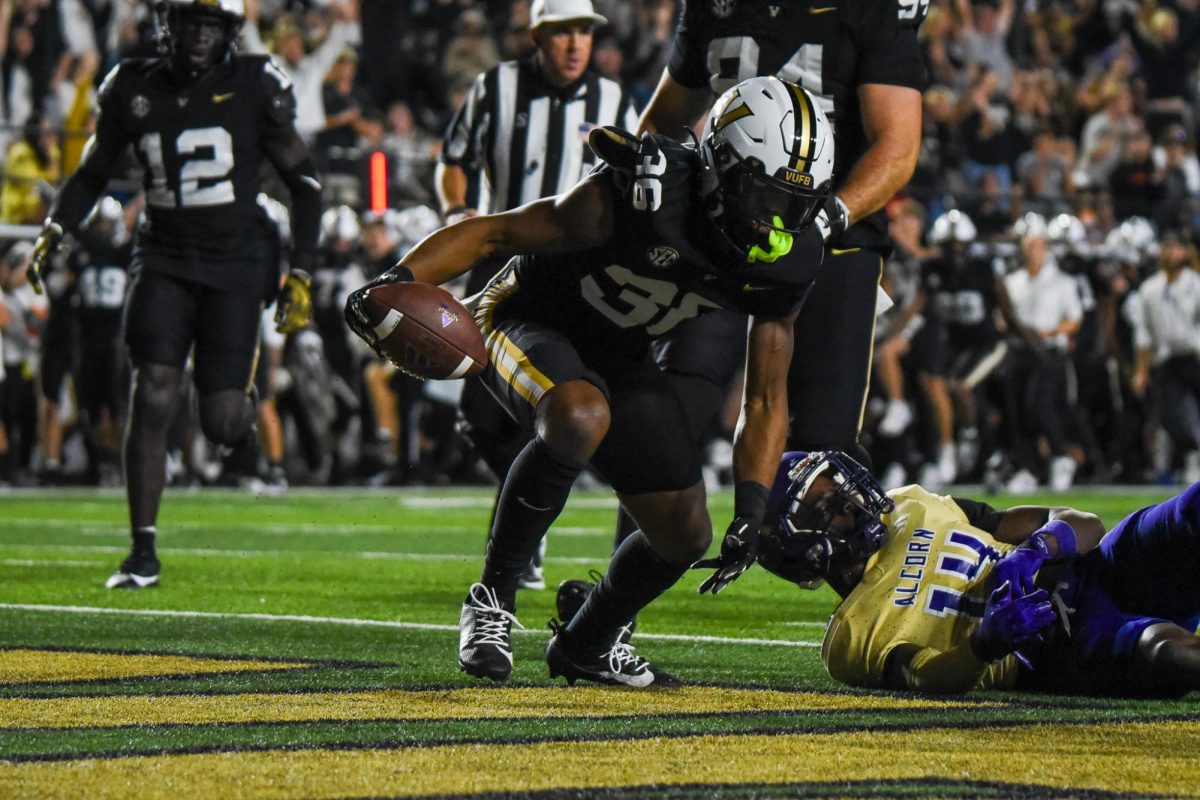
202 121
100 264
862 61
604 269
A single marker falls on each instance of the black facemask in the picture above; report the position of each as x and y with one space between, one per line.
199 41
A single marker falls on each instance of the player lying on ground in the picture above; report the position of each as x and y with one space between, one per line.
660 234
943 594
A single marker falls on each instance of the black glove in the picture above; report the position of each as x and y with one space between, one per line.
833 218
356 317
739 548
48 242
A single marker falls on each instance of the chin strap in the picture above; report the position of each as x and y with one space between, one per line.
779 241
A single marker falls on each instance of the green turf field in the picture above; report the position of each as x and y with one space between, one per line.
304 646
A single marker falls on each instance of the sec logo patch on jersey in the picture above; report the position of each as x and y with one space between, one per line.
723 8
139 106
662 256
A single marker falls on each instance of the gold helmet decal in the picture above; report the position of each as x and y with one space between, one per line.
727 115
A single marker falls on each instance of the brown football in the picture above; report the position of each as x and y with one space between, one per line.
425 330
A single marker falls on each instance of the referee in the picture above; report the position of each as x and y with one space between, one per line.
522 133
523 127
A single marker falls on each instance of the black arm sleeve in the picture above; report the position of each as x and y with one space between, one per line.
299 173
288 152
980 515
80 191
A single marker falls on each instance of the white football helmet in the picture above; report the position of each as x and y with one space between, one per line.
1067 234
1031 224
952 226
767 150
339 223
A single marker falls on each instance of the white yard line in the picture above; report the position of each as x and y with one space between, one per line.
99 528
369 554
25 562
373 623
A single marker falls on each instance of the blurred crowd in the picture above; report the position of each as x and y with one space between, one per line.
1047 316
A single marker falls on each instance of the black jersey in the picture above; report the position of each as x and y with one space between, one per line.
963 292
614 299
829 47
201 147
101 270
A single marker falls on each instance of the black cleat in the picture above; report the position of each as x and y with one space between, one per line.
617 667
484 635
139 571
573 593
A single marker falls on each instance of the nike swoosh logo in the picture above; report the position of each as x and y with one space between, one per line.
838 252
750 288
822 10
531 506
221 98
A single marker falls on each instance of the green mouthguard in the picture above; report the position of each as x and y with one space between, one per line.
780 242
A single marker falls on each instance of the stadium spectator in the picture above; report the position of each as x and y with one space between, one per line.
986 25
350 123
31 167
1167 336
470 53
25 315
1048 309
307 69
1104 136
412 152
1044 175
1136 183
1166 51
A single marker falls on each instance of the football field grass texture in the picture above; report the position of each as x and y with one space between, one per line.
305 646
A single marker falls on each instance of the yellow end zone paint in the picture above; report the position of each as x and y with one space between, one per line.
1142 757
45 666
551 703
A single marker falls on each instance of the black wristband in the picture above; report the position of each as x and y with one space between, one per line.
750 499
452 210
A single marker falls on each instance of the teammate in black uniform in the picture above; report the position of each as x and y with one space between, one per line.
202 121
966 285
619 260
862 61
100 264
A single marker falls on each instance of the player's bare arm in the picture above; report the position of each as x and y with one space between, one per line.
892 123
1018 523
762 427
674 108
577 220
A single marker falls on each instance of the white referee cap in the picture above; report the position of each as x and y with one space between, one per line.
546 11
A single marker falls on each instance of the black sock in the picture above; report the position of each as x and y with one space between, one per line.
636 576
626 527
533 496
143 541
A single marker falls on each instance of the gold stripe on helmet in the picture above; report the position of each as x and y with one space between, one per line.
805 130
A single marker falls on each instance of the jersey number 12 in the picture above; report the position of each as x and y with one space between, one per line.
207 156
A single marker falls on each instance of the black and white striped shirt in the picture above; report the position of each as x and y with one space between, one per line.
528 137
